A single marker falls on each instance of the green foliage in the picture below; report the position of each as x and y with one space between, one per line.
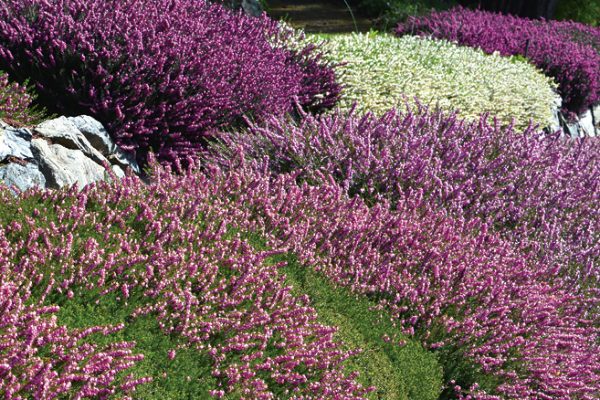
379 72
586 11
398 366
390 12
187 376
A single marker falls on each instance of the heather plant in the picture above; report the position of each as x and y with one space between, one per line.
171 253
379 72
499 326
158 74
16 103
42 359
534 189
574 66
176 247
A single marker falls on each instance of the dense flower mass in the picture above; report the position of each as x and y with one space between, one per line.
379 72
15 103
536 190
43 360
159 74
169 245
555 47
459 288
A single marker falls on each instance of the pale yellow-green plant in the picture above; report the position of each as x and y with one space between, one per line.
380 71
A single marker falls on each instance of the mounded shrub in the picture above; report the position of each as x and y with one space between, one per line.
540 191
169 248
574 66
159 74
379 72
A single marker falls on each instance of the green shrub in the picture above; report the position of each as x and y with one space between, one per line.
379 72
390 12
586 11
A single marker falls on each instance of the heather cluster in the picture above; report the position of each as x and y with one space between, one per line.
541 191
15 103
159 75
44 360
449 282
170 247
379 72
551 46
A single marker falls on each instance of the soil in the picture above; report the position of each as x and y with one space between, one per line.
325 16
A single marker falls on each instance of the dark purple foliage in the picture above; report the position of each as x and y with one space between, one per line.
159 74
552 46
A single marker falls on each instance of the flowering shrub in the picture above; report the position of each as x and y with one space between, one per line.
41 359
15 103
459 288
533 189
379 72
449 282
574 66
158 74
167 246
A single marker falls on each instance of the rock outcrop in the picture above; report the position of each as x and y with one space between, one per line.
60 153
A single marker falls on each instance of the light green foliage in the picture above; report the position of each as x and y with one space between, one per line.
381 71
403 371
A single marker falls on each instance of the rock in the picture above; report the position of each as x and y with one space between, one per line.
95 134
64 132
119 173
60 153
124 160
586 124
15 143
22 177
65 167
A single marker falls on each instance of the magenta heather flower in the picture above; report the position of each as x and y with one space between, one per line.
170 246
16 103
566 51
160 74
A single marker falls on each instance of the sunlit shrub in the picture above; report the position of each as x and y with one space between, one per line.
379 72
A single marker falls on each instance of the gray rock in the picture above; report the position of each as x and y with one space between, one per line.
63 167
586 124
119 173
64 132
95 134
22 177
15 143
124 161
